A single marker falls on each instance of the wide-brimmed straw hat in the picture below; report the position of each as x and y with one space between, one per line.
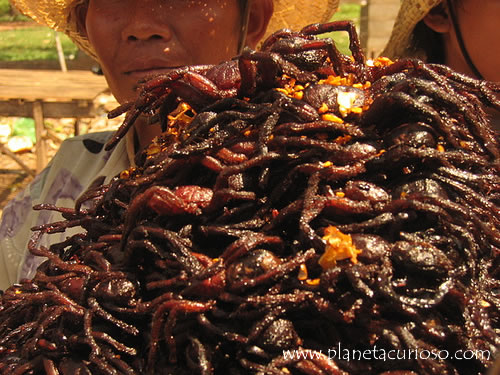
410 13
60 15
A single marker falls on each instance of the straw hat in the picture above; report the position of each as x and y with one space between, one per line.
59 15
410 13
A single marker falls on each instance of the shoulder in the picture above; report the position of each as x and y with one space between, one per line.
77 159
77 164
92 142
82 154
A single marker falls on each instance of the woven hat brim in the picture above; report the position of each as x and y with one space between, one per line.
295 14
410 13
59 15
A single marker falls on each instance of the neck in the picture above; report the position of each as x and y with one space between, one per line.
145 132
463 49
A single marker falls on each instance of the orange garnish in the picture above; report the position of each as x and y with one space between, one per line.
302 272
331 117
339 246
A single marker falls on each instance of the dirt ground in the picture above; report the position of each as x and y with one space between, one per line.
13 178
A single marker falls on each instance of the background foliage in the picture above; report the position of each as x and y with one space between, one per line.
38 43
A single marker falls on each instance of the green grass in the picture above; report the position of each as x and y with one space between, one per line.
36 43
4 7
350 12
7 15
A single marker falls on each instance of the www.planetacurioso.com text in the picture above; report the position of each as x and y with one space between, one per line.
381 354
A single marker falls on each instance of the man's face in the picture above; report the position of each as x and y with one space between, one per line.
136 38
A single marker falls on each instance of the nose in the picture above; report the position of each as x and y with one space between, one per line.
147 20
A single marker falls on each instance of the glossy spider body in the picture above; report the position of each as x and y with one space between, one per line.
298 200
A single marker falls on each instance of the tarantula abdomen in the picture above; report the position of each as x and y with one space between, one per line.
334 97
363 190
422 187
279 335
254 264
415 134
373 248
121 292
421 258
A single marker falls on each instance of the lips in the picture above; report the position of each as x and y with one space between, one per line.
144 68
139 75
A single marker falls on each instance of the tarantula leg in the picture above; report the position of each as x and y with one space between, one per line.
118 363
98 310
257 368
274 273
213 142
178 248
49 316
246 243
277 35
65 266
354 274
274 300
222 178
319 126
159 82
302 45
61 226
265 322
29 366
176 281
223 196
312 206
231 336
67 213
95 355
103 336
265 131
269 66
318 363
19 333
486 89
233 121
148 98
174 307
121 109
354 43
130 118
446 98
429 365
201 363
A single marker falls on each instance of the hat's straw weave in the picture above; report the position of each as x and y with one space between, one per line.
59 15
410 13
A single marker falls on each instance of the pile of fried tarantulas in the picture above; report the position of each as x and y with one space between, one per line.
304 212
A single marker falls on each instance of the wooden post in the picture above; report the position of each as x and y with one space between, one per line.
77 126
41 144
363 24
379 16
14 157
60 52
